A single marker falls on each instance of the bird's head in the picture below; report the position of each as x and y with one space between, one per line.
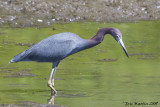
118 37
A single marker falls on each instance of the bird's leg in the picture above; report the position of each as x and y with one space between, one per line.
51 78
53 75
50 81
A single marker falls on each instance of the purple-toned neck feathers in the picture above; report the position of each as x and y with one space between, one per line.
98 38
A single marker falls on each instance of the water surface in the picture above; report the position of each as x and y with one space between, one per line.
98 77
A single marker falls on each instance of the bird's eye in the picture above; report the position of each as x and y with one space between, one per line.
117 36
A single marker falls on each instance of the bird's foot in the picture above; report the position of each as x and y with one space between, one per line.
53 92
51 85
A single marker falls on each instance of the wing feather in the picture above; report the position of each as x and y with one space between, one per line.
51 49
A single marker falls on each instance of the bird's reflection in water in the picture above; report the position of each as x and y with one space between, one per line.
52 97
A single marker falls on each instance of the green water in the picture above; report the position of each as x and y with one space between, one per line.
98 77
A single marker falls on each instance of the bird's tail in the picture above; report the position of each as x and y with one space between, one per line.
18 57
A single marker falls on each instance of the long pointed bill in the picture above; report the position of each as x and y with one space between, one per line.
123 47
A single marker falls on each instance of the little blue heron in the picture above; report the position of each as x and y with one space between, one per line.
59 46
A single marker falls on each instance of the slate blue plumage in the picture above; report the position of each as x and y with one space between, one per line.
53 48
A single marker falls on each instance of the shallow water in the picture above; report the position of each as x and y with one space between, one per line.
98 77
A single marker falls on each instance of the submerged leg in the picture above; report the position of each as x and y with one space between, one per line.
51 78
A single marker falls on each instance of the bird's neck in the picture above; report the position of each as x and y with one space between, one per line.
98 38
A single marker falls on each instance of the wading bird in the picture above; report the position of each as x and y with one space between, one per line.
59 46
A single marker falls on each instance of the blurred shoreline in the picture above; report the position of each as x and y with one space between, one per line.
28 13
